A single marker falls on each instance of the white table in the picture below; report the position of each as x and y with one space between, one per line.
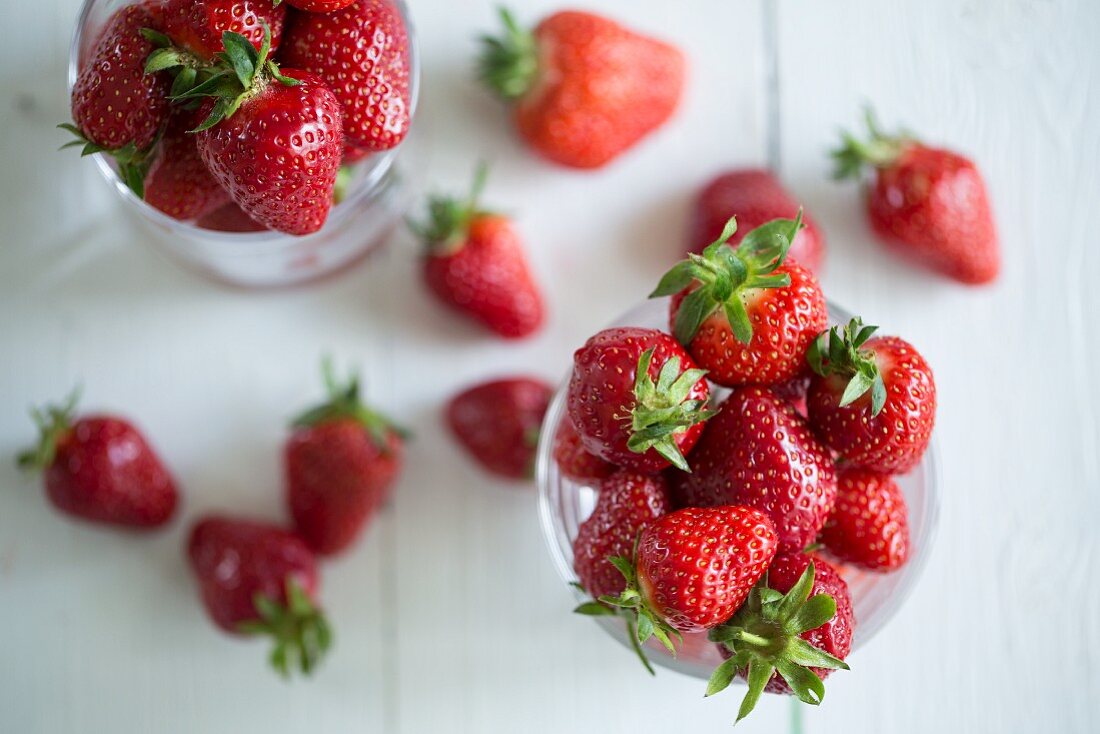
449 617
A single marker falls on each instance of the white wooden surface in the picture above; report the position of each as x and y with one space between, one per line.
449 616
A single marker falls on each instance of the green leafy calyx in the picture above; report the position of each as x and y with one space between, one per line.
301 633
53 422
764 638
723 275
664 409
344 403
133 163
878 150
841 353
509 64
447 225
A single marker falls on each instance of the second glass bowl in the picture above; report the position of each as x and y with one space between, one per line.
564 505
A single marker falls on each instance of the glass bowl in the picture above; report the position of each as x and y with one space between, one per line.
378 195
564 505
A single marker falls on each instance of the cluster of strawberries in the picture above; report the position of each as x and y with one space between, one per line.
710 514
237 114
341 460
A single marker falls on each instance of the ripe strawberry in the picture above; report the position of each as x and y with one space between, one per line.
341 462
574 461
230 218
869 526
872 401
258 579
692 569
117 107
318 6
746 315
179 183
271 138
498 422
755 197
475 264
362 53
100 468
757 451
584 88
929 203
793 631
627 503
197 26
637 399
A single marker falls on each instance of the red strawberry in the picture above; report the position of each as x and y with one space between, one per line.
870 522
790 634
197 25
498 422
179 183
353 154
260 579
755 197
100 468
758 452
627 503
271 138
929 203
637 399
574 461
230 218
872 401
341 462
319 6
476 265
692 570
584 88
116 106
745 314
362 54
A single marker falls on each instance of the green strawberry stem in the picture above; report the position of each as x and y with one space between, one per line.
344 403
764 637
448 222
599 609
662 410
723 276
509 64
301 633
53 422
879 150
836 353
133 164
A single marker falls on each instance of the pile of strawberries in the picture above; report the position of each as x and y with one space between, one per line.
237 114
341 461
717 515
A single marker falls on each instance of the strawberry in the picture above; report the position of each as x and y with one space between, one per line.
869 526
755 197
353 154
583 88
117 107
691 570
179 183
259 579
341 460
229 218
637 399
271 137
793 631
476 265
929 203
757 451
318 6
362 54
498 422
198 26
872 401
628 502
574 461
100 468
794 392
746 315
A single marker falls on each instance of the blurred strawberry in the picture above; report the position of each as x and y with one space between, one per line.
498 422
574 461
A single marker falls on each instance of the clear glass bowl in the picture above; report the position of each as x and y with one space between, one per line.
379 193
564 505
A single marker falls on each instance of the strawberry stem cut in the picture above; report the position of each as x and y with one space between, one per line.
880 150
837 353
301 632
723 275
764 638
509 64
53 422
448 222
344 403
